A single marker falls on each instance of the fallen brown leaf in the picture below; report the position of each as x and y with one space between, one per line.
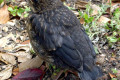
96 9
5 74
103 19
112 75
26 42
4 40
21 51
22 47
7 58
4 14
22 56
95 12
33 63
80 4
15 71
100 59
25 58
5 28
82 21
112 59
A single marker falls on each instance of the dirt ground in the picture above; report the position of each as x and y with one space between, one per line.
14 33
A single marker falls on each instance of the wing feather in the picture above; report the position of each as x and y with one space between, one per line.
55 39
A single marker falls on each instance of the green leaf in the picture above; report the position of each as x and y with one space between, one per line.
113 79
86 16
112 39
13 13
19 14
10 9
80 13
114 33
58 70
114 71
27 8
20 11
54 74
15 7
91 19
54 67
96 49
26 15
117 13
1 1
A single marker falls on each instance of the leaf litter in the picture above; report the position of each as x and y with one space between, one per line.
15 48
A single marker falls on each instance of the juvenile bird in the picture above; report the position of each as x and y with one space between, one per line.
58 38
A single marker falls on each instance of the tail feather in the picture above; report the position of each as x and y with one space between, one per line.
94 74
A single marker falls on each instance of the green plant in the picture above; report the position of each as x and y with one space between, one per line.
16 11
32 51
114 71
114 27
96 50
114 79
1 1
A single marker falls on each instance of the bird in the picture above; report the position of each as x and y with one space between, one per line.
57 36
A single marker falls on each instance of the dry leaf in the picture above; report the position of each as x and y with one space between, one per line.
5 28
82 21
115 6
26 42
11 22
33 63
103 19
112 76
22 52
8 58
9 47
15 71
22 56
112 59
23 47
100 59
94 13
4 40
96 9
5 74
80 4
4 14
24 59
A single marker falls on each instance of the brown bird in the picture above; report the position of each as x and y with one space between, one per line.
58 37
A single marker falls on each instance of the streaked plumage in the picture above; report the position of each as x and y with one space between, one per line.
58 37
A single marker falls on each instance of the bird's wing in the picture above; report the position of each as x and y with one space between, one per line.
55 39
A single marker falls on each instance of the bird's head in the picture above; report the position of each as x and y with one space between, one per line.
43 5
